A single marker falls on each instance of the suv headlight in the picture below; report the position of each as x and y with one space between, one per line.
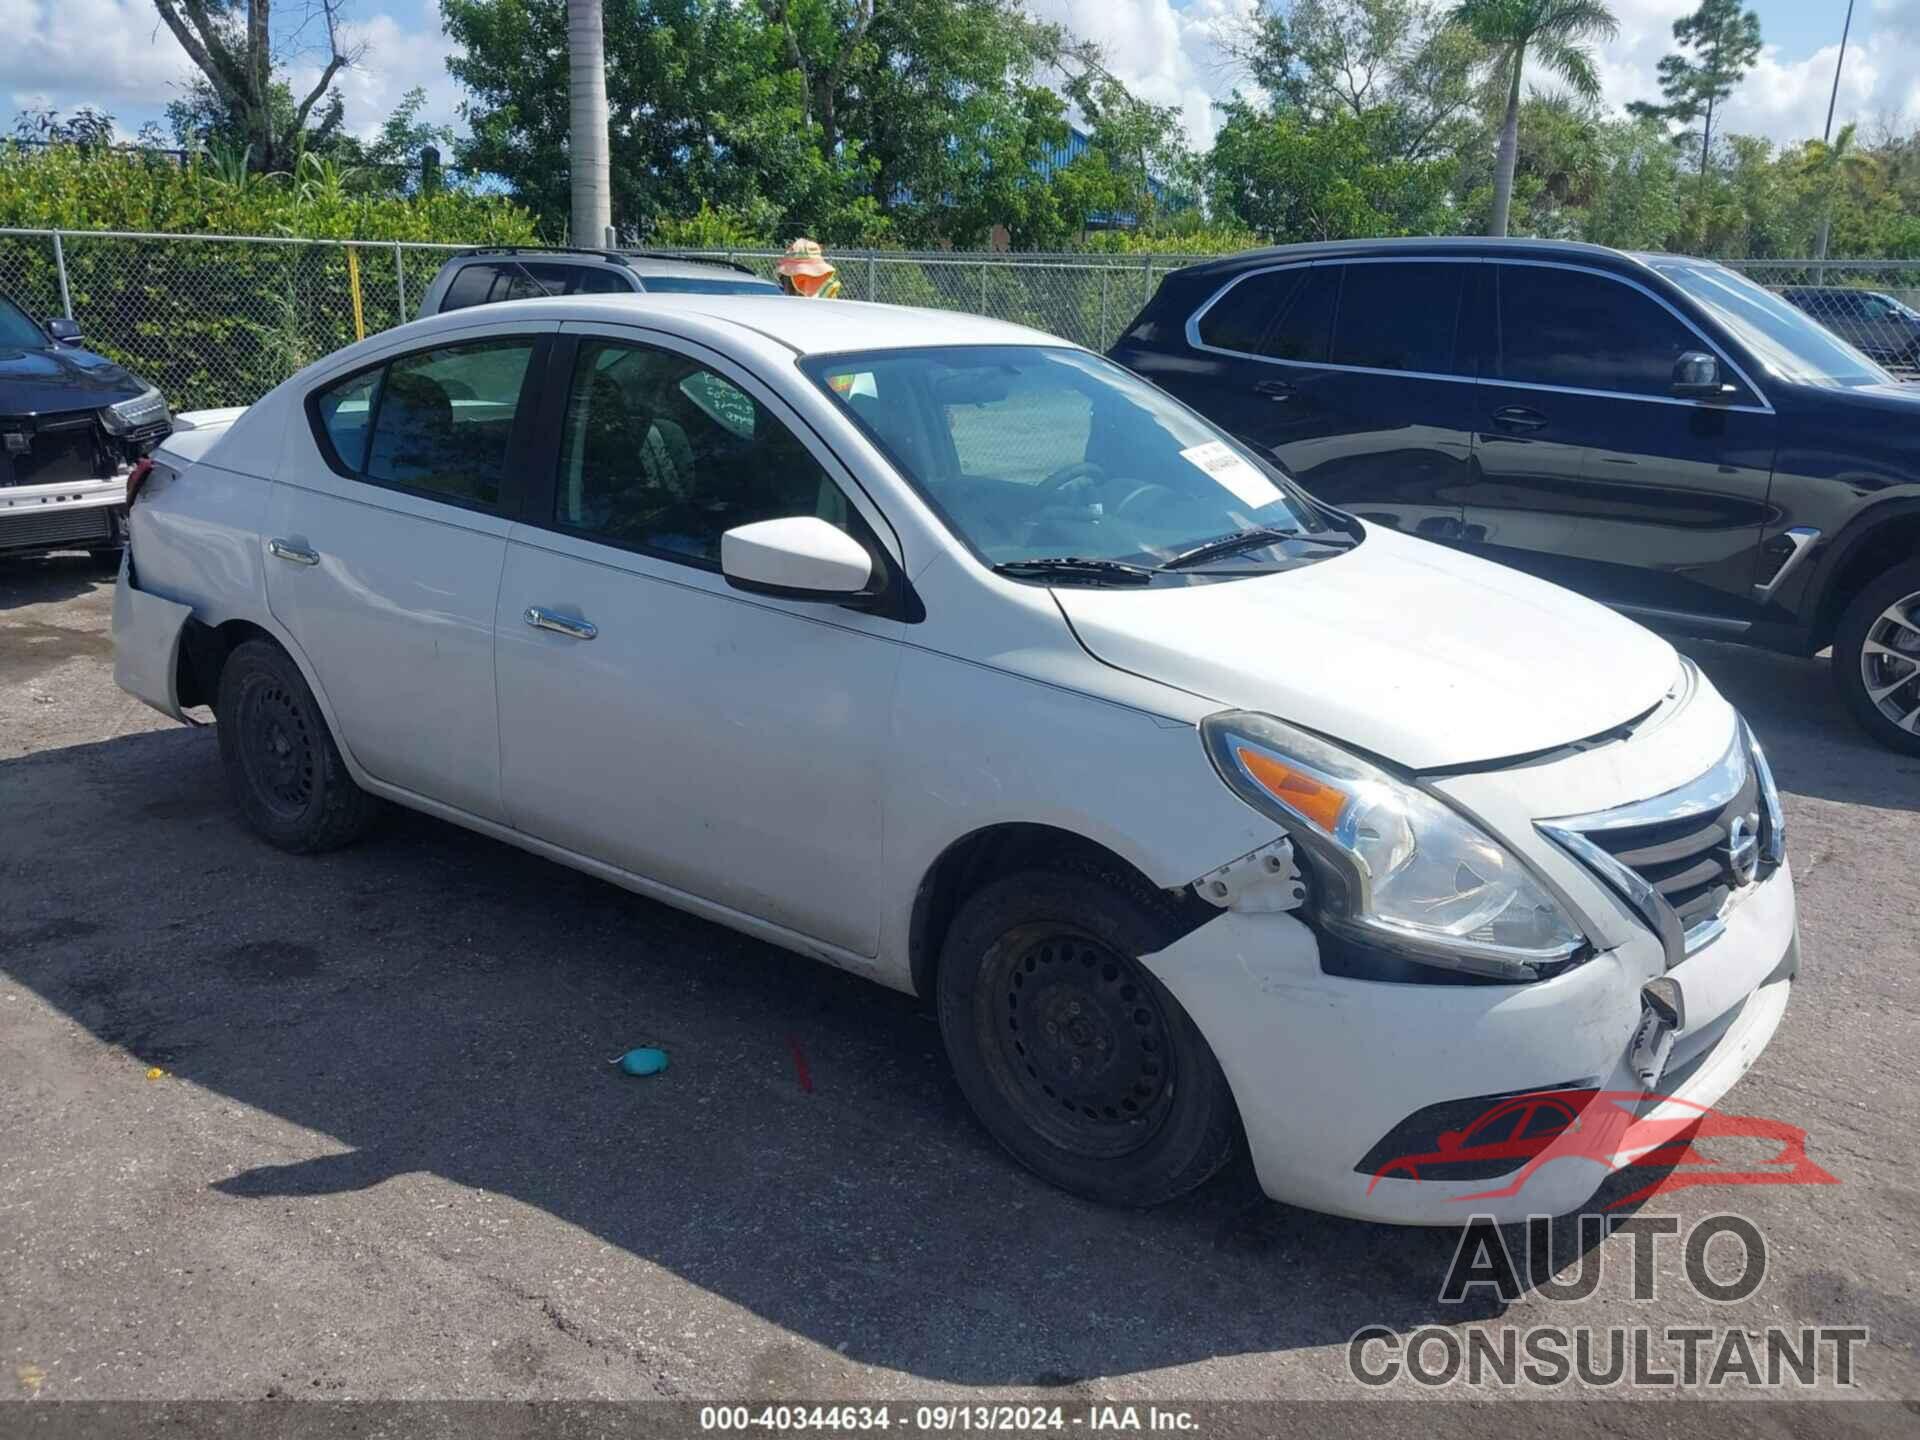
147 408
1394 866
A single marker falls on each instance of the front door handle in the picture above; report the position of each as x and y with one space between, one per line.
561 624
287 550
1518 417
1274 389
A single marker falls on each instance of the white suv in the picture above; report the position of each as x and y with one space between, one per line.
955 655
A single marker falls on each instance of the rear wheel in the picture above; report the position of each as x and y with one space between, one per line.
1073 1056
1876 657
282 766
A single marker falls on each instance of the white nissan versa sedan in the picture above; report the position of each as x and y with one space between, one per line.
950 653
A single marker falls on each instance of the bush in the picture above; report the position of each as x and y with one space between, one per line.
209 321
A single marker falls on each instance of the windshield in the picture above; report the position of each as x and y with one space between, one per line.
17 332
702 285
1787 341
1031 452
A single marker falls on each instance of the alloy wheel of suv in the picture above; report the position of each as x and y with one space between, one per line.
1890 662
1876 657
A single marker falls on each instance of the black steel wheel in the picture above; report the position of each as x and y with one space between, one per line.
1073 1056
284 770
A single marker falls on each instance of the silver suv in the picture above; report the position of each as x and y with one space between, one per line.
479 277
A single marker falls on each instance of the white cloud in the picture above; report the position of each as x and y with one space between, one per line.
1165 54
397 58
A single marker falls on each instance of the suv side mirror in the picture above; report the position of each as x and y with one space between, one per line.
1696 376
64 330
801 557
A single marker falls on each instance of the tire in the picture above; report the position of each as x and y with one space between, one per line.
282 766
1876 658
1075 1058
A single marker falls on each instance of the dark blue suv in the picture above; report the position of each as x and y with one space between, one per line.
1657 432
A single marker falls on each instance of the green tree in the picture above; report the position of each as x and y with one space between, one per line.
1396 64
1554 35
1723 40
1289 179
230 42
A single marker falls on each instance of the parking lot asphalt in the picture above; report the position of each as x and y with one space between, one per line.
346 1127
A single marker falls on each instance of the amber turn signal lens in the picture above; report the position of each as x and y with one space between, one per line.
1321 804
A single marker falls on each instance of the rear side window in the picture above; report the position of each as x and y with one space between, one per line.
1399 317
438 422
1307 325
471 285
1584 331
1240 318
700 285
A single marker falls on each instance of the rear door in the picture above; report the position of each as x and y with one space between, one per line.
1351 377
1590 472
387 525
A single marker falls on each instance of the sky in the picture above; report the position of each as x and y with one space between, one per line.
116 56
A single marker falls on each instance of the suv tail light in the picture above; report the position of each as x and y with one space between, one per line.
137 477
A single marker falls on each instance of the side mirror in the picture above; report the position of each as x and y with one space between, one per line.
63 329
1696 376
801 557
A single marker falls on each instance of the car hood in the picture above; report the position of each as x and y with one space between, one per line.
60 378
1419 654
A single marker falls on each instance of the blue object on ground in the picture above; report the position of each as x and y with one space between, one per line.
644 1061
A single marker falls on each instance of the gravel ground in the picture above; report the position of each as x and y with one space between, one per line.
385 1155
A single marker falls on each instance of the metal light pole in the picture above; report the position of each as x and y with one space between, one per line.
1826 137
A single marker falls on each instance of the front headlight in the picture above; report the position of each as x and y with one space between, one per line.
1395 866
149 407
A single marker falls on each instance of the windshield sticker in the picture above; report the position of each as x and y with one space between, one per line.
1232 473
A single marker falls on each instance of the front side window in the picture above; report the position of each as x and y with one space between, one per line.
1399 317
659 453
1584 331
1789 342
438 421
1034 452
17 332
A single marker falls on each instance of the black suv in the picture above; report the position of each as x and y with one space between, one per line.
1657 432
1874 323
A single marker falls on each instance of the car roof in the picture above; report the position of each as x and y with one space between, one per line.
1413 248
805 326
639 262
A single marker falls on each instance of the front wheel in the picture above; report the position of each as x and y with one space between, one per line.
283 769
1876 658
1075 1058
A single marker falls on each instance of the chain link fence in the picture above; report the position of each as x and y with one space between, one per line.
220 320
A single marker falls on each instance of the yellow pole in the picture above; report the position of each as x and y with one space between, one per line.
353 284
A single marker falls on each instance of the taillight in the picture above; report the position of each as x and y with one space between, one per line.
137 477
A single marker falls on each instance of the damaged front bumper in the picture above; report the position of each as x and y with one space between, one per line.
1324 1068
66 514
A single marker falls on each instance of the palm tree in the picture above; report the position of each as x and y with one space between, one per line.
587 144
1552 33
1828 166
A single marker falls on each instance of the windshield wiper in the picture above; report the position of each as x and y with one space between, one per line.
1074 567
1251 539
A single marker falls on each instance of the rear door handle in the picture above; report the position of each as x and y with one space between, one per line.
287 550
1518 417
561 624
1274 389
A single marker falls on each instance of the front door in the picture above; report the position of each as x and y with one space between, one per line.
387 530
1589 472
730 746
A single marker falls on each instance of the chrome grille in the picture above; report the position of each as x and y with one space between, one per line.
1678 858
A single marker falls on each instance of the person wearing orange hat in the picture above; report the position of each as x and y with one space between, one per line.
804 271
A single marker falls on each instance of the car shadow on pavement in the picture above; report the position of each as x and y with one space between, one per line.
49 579
437 1002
